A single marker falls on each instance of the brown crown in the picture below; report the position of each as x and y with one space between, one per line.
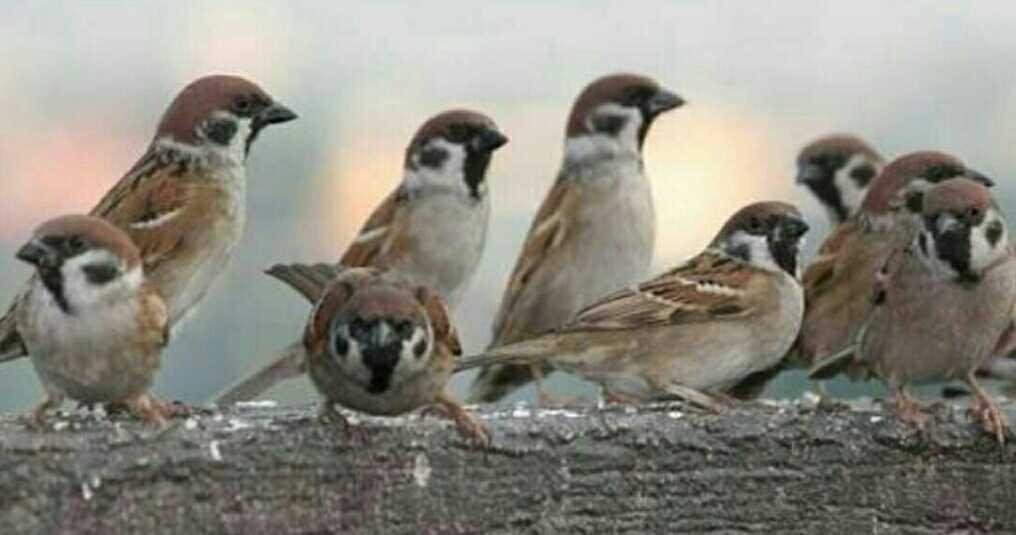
600 91
199 99
845 144
438 126
887 185
760 210
956 195
94 230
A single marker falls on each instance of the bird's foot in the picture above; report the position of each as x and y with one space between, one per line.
990 417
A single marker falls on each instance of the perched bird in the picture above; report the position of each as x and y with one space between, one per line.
377 343
838 281
183 204
92 323
692 332
837 169
431 229
594 232
942 303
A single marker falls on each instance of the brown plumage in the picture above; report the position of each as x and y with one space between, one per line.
837 169
941 303
692 332
377 344
838 281
431 229
91 323
595 230
182 204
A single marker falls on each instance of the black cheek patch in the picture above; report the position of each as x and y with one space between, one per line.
922 243
433 157
740 251
915 201
100 273
420 348
221 131
340 346
862 174
609 124
994 233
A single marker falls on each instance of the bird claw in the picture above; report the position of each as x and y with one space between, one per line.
912 412
467 425
990 417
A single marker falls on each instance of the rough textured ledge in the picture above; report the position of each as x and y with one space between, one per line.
767 468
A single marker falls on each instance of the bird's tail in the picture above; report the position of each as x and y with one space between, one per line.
11 345
504 369
288 365
309 280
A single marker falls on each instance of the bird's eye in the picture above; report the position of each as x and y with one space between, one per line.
75 244
755 225
358 328
636 96
938 173
458 133
973 213
404 329
242 105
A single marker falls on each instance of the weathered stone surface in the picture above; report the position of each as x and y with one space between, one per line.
787 468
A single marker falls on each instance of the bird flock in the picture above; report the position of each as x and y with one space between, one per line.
915 283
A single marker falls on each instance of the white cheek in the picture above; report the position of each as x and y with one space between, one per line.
350 362
448 175
410 365
603 145
850 193
237 147
758 249
982 253
82 293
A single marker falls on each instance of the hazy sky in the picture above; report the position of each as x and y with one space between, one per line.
82 85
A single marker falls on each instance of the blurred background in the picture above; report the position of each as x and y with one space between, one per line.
82 86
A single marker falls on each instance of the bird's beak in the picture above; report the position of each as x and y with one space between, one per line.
38 254
663 101
809 173
488 140
274 114
977 176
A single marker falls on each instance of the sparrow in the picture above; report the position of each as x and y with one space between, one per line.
431 229
183 204
941 304
694 331
837 170
377 343
93 324
837 282
594 232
